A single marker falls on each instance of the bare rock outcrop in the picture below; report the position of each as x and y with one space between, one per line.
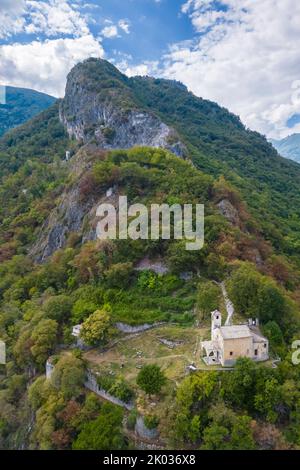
91 114
228 211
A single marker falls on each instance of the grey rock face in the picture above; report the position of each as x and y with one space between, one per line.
88 117
158 266
92 117
67 217
228 211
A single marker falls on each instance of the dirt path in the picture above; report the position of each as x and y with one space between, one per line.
228 304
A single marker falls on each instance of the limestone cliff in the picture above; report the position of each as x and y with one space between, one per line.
99 111
104 111
72 214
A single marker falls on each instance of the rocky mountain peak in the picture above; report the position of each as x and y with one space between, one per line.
101 107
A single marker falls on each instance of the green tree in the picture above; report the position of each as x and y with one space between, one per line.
82 308
104 433
151 379
227 430
121 390
36 392
243 288
95 328
238 387
274 334
192 402
242 434
180 259
208 298
151 421
215 437
119 275
271 304
58 307
266 401
216 266
257 295
69 376
43 338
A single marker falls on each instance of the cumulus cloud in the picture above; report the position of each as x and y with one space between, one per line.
45 65
113 31
245 57
149 68
52 18
110 31
11 17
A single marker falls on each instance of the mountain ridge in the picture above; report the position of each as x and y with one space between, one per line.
214 139
289 147
21 105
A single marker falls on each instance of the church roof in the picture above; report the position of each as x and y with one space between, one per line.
258 337
235 331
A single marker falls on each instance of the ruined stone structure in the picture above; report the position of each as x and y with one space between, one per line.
228 343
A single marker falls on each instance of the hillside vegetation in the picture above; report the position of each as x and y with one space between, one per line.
252 245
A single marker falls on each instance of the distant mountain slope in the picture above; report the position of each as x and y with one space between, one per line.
21 105
288 147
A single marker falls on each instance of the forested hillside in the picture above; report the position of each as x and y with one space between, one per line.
21 105
55 274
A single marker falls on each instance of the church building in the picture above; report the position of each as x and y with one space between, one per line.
228 343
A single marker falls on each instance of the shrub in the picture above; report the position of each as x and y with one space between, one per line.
151 422
151 379
131 420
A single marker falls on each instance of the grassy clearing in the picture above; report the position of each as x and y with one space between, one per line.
135 351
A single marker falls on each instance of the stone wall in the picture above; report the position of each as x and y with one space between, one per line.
143 431
91 384
136 329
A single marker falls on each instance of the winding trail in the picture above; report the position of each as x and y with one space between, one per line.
228 304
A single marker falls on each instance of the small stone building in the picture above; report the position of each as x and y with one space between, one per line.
228 343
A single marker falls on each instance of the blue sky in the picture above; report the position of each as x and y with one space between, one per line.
153 26
243 54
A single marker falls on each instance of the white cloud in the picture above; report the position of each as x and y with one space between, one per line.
11 17
52 18
110 31
44 65
246 57
55 17
149 68
125 26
